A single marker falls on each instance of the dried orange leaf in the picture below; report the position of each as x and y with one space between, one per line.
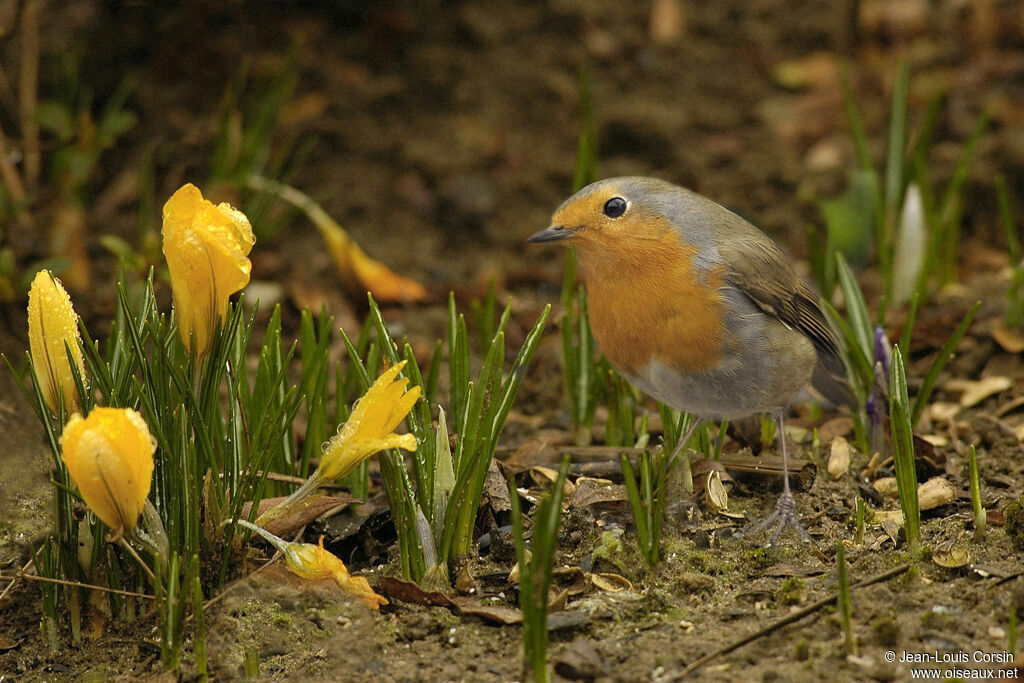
358 269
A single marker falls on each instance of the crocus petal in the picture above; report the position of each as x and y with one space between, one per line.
315 562
369 427
52 333
207 249
301 559
109 455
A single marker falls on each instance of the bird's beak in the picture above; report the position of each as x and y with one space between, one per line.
555 232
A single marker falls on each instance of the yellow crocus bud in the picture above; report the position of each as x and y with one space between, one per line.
370 427
109 455
52 334
314 562
207 249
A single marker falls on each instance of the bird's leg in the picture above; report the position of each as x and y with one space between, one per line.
785 510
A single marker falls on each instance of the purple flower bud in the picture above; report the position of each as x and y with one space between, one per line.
883 349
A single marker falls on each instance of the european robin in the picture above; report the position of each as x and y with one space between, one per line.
694 305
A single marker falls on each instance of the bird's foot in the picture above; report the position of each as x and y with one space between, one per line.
784 515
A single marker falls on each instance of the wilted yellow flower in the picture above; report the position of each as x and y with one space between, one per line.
207 250
314 562
52 324
370 427
109 455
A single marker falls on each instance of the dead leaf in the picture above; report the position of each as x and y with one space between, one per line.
951 558
590 491
6 644
513 574
931 494
934 493
503 616
715 493
839 457
545 477
558 601
496 490
307 510
892 524
976 391
943 412
886 486
1012 341
408 591
610 582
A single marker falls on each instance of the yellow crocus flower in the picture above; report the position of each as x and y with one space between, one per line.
207 248
52 334
370 427
109 455
314 562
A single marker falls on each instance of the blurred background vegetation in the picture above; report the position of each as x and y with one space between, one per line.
439 134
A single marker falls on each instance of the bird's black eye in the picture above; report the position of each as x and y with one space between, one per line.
615 207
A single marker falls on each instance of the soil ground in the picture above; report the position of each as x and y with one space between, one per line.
441 135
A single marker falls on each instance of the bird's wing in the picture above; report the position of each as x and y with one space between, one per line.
760 269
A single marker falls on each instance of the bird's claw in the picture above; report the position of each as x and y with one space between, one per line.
783 516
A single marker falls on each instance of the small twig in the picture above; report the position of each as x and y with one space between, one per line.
1009 407
131 551
79 584
14 580
289 479
786 620
1000 582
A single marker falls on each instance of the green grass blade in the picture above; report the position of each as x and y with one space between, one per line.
903 451
896 149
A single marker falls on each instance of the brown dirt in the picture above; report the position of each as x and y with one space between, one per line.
446 133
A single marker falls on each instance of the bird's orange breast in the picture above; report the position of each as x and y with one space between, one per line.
648 302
